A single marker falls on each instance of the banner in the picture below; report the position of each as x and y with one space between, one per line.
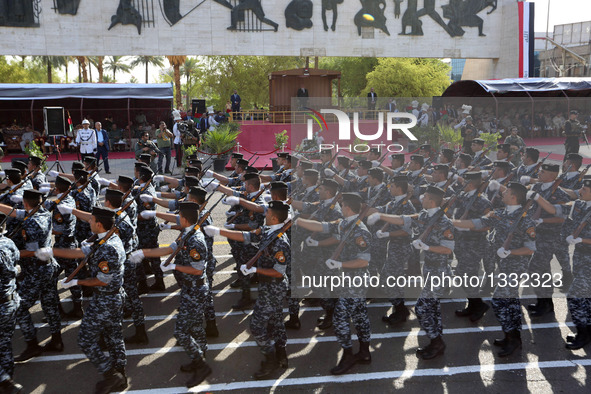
526 39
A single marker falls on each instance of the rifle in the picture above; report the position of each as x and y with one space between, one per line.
337 252
582 174
180 241
332 205
264 247
142 189
476 195
29 175
255 160
513 228
120 211
63 196
398 211
423 170
91 176
579 228
539 165
552 189
29 215
435 218
329 164
150 147
253 199
483 155
505 183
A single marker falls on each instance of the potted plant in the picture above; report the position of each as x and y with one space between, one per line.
280 143
220 142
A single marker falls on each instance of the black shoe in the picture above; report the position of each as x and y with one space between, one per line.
211 329
32 350
364 355
400 315
325 322
543 306
9 386
312 301
191 366
348 360
87 292
236 284
267 367
142 288
139 338
158 285
478 311
512 343
500 342
293 322
127 313
580 340
435 348
107 172
281 356
113 381
244 302
76 312
467 311
55 344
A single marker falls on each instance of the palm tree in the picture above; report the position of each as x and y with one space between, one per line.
116 63
157 61
83 72
50 62
189 69
98 61
176 62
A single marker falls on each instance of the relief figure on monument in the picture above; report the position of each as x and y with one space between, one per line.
127 14
330 5
410 19
464 13
20 13
372 15
66 7
238 14
171 9
298 14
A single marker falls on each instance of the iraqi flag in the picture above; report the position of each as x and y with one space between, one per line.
70 122
526 39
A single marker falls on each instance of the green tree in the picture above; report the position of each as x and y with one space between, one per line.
408 77
117 63
29 70
157 61
98 62
353 72
192 71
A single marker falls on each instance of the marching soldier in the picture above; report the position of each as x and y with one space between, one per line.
396 165
90 165
527 170
35 164
189 271
480 160
85 199
283 175
352 182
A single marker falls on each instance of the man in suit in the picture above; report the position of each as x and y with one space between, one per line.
204 124
235 100
102 138
303 96
372 99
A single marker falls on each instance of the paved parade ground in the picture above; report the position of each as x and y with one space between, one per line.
469 365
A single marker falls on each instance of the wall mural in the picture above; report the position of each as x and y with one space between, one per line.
249 16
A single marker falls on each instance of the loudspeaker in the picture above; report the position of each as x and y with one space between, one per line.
198 106
54 119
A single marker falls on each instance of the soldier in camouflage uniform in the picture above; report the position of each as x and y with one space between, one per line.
376 195
354 183
39 279
470 247
514 260
124 184
85 199
480 160
353 261
285 175
399 248
309 188
438 245
573 131
396 166
527 170
39 178
104 315
547 232
266 324
325 157
13 196
189 271
23 167
90 165
9 303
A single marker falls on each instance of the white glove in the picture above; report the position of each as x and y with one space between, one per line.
209 174
538 221
44 190
164 226
247 271
169 267
67 285
311 242
137 256
64 209
382 234
267 197
44 254
146 198
421 197
502 253
53 173
104 182
212 186
229 226
158 194
103 191
231 200
373 218
164 188
531 194
494 186
375 163
211 231
148 214
420 245
158 178
573 241
333 264
2 173
524 180
328 172
16 199
44 184
173 245
230 213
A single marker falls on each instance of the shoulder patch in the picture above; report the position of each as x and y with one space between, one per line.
448 234
58 217
104 267
24 234
279 256
147 205
78 204
195 254
531 232
360 241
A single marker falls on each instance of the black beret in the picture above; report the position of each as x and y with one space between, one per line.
250 175
283 155
276 205
237 155
125 180
311 172
441 167
352 197
478 141
504 147
326 152
551 167
89 159
140 164
192 156
80 174
448 152
250 170
502 164
188 206
35 160
425 147
374 150
77 165
306 165
435 190
574 157
195 162
344 161
375 172
242 162
20 165
465 157
103 213
517 187
418 158
114 193
146 171
400 178
63 181
365 164
32 194
12 171
197 191
192 170
191 180
473 176
398 156
330 183
278 185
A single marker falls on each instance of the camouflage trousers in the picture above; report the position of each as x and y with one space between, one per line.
505 301
428 305
562 253
104 315
131 299
7 325
39 283
266 322
546 247
345 311
579 294
188 330
395 266
209 271
147 240
469 251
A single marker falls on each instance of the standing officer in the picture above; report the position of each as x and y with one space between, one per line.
104 315
572 131
103 148
235 100
86 140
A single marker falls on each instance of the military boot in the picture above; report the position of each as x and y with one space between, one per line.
348 360
55 344
468 310
32 350
512 343
140 337
364 355
158 285
9 386
435 348
113 381
142 287
580 340
293 322
211 329
501 342
76 312
325 322
200 372
281 356
267 367
245 301
543 306
400 315
479 309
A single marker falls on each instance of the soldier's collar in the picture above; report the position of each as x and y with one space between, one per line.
399 198
328 201
460 172
275 227
440 184
470 193
588 203
101 235
512 208
398 169
546 185
432 211
351 218
309 189
417 172
572 174
531 166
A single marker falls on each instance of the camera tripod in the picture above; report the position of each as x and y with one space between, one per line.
56 151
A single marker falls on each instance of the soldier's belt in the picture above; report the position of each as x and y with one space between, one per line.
269 279
193 282
7 298
102 292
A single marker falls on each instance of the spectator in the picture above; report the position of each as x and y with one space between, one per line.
164 142
115 134
28 136
236 100
86 139
102 150
178 141
140 119
228 107
220 117
211 120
